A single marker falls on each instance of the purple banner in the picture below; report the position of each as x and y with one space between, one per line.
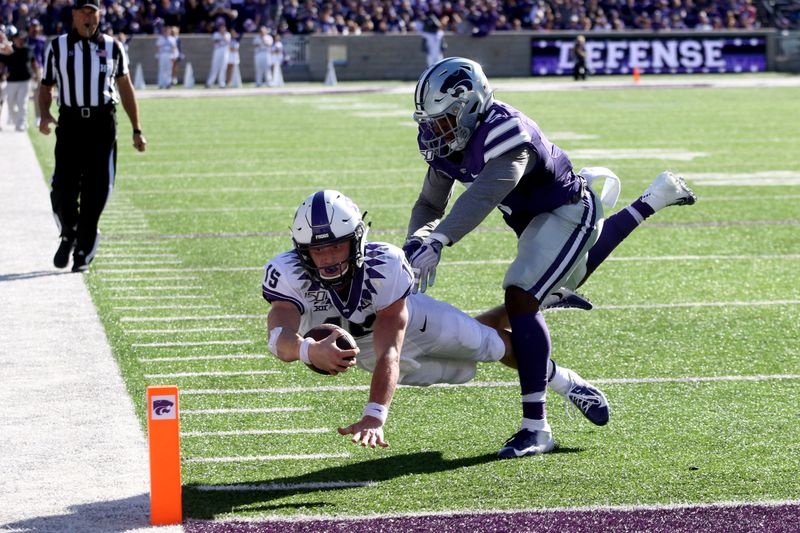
657 55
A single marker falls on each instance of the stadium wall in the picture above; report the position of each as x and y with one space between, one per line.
400 57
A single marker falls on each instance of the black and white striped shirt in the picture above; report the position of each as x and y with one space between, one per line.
85 70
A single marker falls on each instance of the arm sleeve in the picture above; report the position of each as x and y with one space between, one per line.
496 180
431 203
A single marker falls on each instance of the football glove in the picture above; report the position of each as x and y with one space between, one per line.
412 245
424 261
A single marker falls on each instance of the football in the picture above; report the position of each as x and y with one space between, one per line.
345 342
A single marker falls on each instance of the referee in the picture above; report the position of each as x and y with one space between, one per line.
91 72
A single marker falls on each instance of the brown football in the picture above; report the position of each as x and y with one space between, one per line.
345 342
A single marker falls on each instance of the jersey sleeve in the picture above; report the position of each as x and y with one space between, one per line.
430 205
280 284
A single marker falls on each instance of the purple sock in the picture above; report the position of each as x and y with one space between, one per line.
531 340
616 229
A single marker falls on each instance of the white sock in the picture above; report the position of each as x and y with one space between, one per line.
535 425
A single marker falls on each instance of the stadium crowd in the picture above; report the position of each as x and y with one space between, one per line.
353 17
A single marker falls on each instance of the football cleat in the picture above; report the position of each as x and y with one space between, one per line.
666 190
526 442
564 298
61 258
589 400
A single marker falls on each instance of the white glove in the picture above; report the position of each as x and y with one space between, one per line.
424 262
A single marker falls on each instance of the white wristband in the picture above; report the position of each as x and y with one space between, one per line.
304 350
273 340
377 410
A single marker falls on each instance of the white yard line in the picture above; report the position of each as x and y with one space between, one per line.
245 410
483 384
151 307
184 318
213 374
161 297
189 343
248 432
72 456
201 358
262 458
114 279
181 330
155 288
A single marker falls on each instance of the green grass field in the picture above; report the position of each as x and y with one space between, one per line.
198 215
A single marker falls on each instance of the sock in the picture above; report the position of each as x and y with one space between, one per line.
559 378
531 340
616 229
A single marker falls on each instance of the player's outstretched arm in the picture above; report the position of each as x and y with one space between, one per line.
389 331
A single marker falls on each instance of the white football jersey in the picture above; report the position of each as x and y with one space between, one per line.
442 344
385 278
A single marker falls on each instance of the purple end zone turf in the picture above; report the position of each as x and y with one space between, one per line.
783 518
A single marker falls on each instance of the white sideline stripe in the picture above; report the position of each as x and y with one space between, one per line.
213 374
117 256
161 297
155 288
492 262
186 330
188 343
159 262
181 318
540 510
275 487
150 307
114 279
646 258
484 384
187 269
245 410
699 304
688 305
201 358
245 432
259 458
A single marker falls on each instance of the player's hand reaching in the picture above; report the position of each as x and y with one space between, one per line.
368 432
424 261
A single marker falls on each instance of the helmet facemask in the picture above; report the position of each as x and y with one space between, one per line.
445 132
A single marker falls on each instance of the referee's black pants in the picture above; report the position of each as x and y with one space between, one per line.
86 164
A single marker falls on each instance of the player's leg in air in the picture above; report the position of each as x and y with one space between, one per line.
666 190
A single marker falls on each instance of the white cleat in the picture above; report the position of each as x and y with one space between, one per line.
666 190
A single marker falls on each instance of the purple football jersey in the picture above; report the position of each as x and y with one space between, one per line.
549 182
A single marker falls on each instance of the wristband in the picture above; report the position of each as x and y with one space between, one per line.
304 350
377 410
137 132
273 340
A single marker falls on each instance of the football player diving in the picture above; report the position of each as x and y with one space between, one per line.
506 162
334 275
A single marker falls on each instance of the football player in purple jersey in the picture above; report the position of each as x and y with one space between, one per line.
506 162
334 275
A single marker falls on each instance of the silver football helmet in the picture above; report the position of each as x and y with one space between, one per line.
324 218
450 98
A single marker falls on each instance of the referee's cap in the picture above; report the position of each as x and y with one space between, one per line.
94 4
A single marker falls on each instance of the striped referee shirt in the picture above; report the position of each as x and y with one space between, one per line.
85 70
